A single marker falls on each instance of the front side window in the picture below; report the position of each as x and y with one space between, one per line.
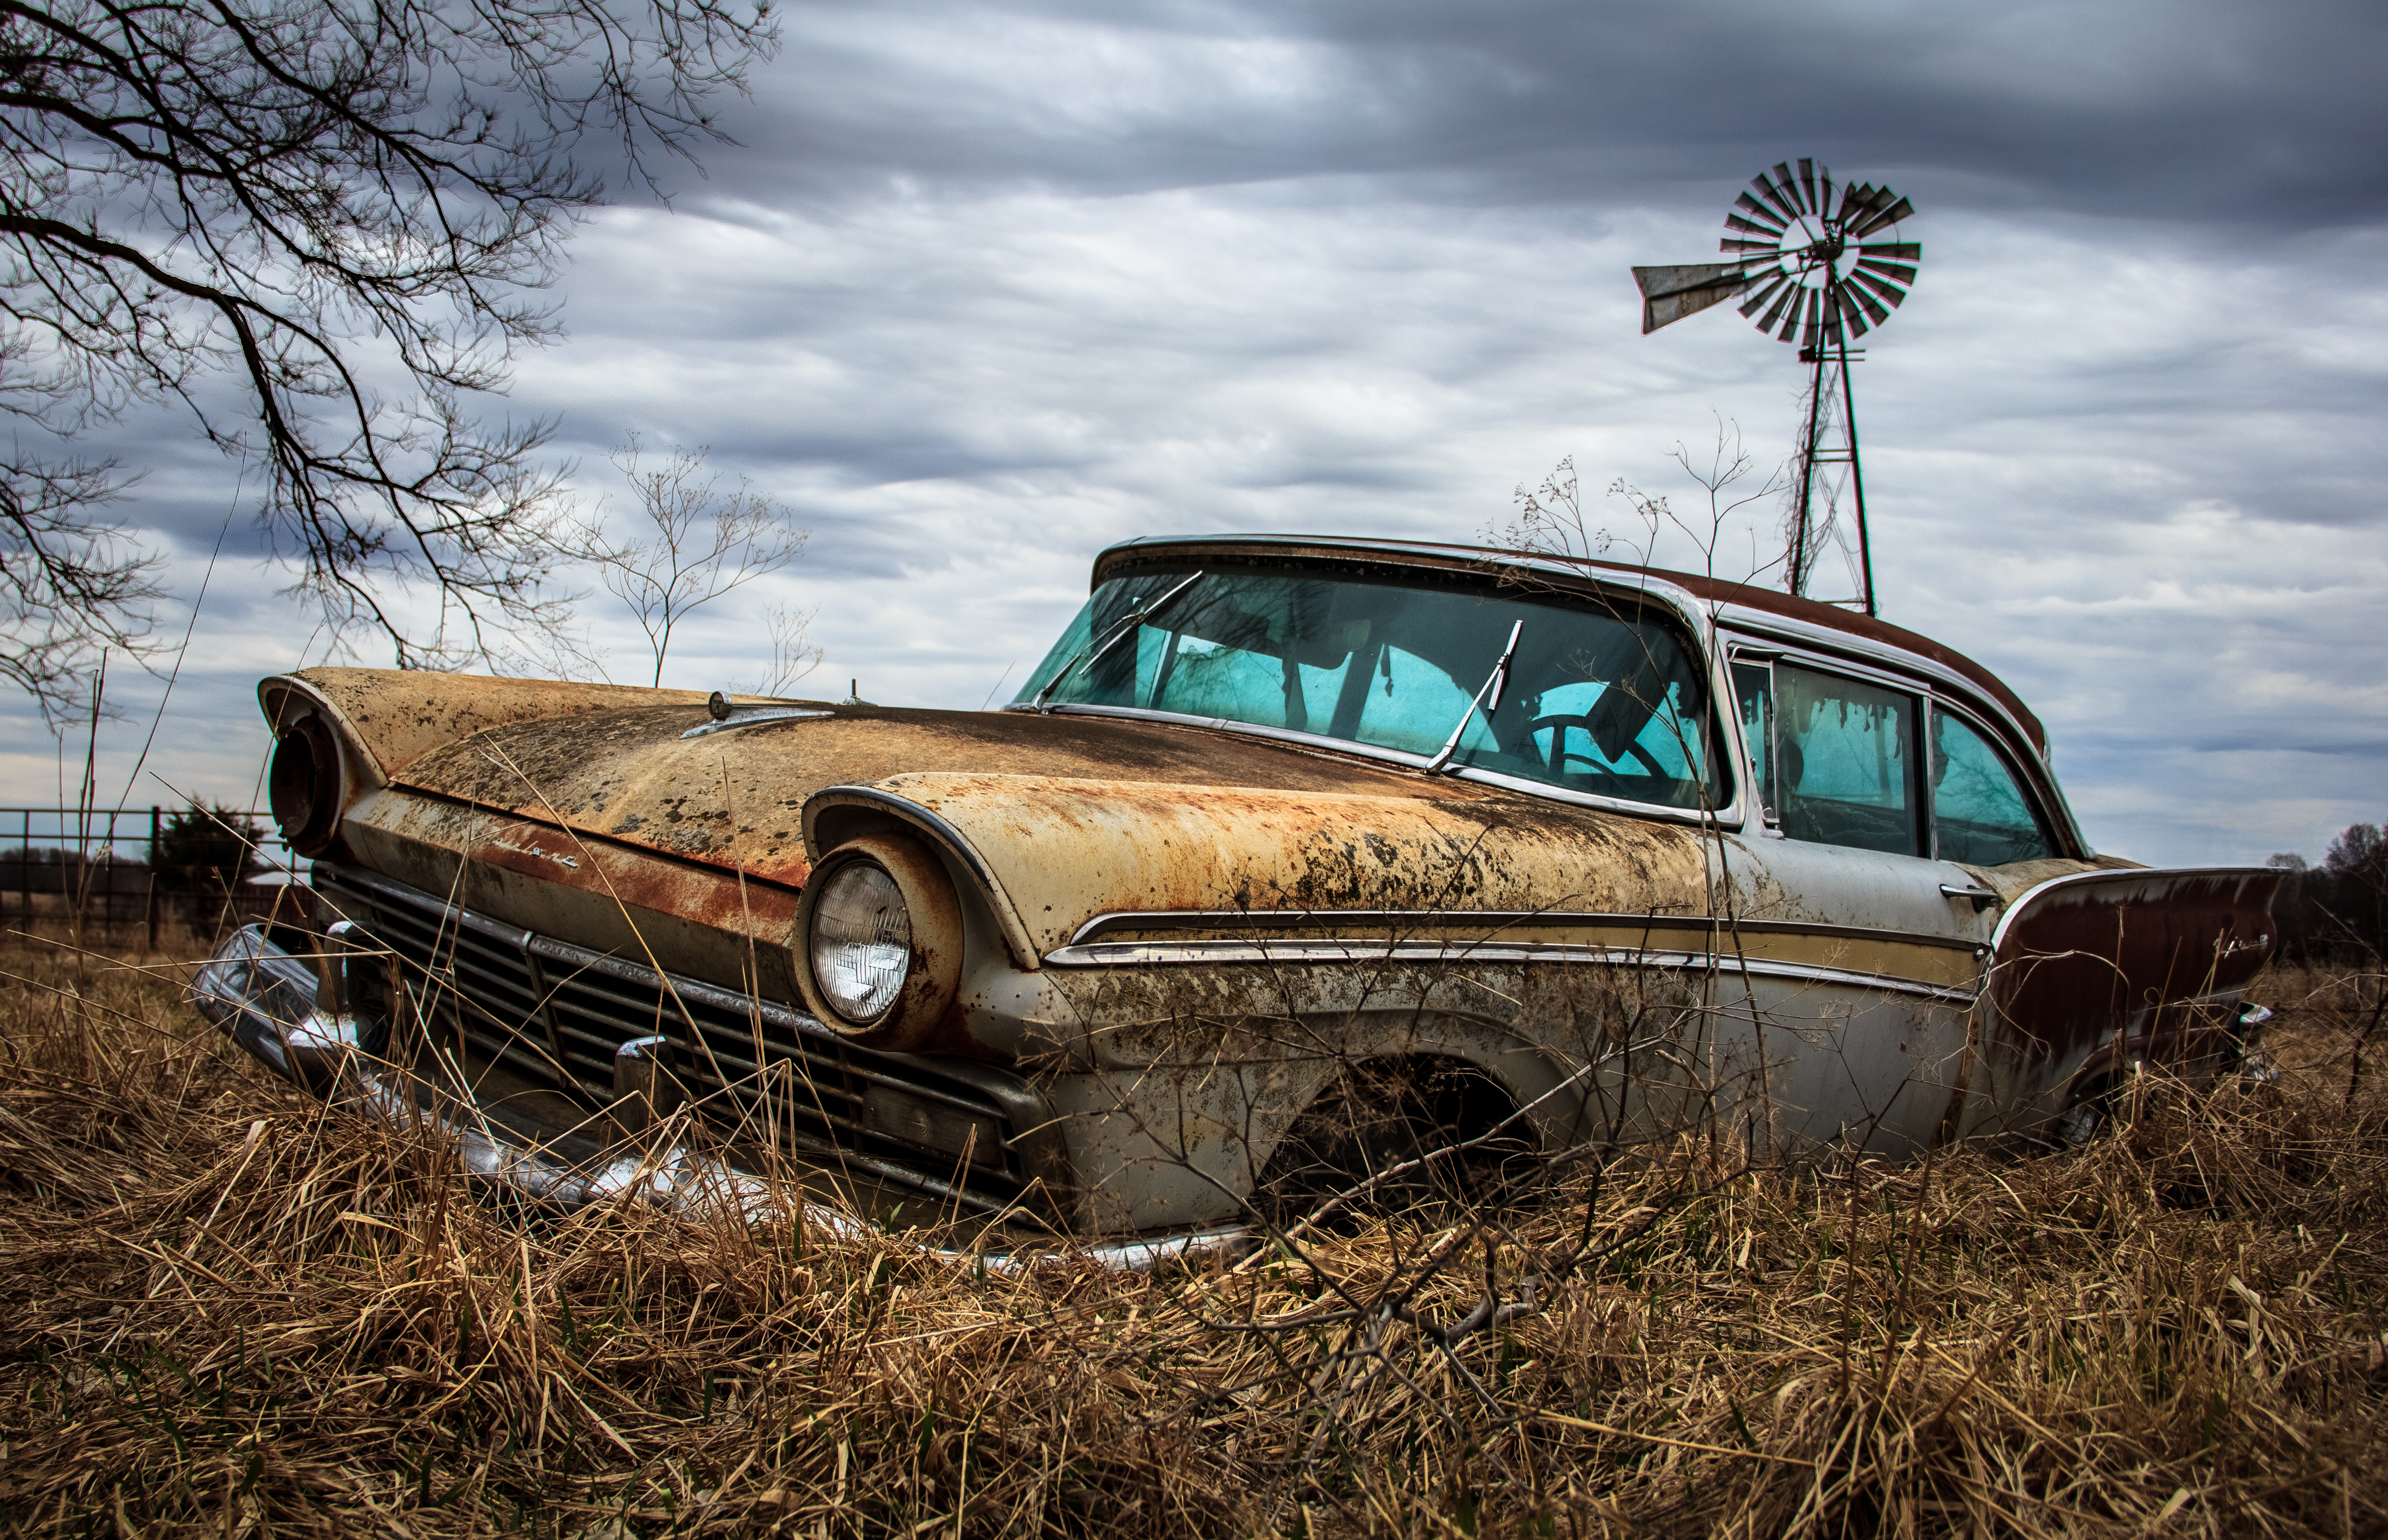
1979 813
1592 699
1844 770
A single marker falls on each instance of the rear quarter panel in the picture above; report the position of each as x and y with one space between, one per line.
2091 971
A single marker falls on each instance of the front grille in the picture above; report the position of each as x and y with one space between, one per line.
554 1014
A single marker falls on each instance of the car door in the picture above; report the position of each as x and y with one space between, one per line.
1854 954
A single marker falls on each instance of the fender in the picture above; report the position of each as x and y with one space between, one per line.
2099 963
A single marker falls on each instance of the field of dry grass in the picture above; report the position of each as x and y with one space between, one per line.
224 1310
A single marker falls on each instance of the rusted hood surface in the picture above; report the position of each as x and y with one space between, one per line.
400 714
1049 791
1073 816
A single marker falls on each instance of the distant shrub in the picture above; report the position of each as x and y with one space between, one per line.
208 850
2337 911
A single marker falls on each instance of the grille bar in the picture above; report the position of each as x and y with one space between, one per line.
555 1013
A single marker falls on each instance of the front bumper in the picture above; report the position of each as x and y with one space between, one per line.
276 990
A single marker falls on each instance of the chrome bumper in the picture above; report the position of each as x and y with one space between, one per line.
283 1006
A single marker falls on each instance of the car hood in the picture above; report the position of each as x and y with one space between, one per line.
1070 816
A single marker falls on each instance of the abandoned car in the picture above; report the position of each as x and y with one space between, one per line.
1286 841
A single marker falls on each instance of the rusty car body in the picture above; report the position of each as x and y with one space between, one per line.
1592 854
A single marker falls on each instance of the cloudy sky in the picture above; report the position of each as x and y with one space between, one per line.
988 286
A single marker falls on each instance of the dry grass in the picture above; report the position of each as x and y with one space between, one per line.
230 1311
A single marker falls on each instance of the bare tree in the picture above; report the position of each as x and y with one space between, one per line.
1550 520
700 540
347 206
793 652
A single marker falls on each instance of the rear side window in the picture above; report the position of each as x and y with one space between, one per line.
1844 765
1979 813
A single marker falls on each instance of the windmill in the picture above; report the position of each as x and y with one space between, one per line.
1817 273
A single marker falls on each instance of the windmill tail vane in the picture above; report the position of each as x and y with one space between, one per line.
1817 270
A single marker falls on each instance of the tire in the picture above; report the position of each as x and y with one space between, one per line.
2091 1113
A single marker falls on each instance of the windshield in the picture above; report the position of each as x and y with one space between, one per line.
1590 700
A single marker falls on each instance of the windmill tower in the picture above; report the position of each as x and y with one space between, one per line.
1817 273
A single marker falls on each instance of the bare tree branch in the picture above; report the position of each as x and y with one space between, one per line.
349 207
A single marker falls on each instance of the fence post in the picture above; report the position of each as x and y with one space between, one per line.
25 873
152 915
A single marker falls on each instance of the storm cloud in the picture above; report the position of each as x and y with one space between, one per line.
985 287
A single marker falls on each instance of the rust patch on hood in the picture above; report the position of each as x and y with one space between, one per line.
1073 816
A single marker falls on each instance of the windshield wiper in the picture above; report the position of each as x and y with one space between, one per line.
1494 684
1122 629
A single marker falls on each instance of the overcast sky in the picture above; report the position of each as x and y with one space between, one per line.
986 288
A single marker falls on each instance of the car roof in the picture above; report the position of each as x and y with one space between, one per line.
1714 594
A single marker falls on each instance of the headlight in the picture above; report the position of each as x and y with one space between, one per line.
861 941
879 944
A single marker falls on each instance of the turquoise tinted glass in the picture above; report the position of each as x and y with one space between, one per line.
1600 702
1843 768
1979 813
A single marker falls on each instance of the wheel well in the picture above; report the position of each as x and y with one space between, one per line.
1386 1118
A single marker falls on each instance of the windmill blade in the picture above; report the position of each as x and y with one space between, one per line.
1759 299
1750 227
1905 251
1853 198
1891 215
1898 273
1758 212
1790 185
1873 308
1808 184
1789 297
1849 312
1791 320
1777 196
1764 248
1669 294
1891 292
1815 306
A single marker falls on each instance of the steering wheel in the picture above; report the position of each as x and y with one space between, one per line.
1559 723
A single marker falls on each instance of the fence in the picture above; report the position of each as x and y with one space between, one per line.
88 867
